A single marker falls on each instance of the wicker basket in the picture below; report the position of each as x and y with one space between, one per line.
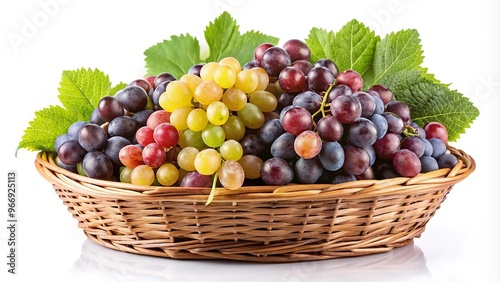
260 223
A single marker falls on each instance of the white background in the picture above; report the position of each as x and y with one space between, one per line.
461 46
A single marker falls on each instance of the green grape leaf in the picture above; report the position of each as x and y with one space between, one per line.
45 127
425 73
117 88
175 56
225 40
82 89
354 47
79 93
395 61
397 52
432 101
319 42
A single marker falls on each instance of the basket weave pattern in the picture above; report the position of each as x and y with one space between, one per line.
260 223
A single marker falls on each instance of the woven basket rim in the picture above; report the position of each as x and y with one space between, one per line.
47 167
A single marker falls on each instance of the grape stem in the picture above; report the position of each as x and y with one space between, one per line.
212 192
323 103
410 131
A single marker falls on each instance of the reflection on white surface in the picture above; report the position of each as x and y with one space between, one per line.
98 263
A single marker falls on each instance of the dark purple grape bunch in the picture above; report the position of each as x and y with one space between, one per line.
332 129
91 148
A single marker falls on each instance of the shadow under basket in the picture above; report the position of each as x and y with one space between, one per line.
257 223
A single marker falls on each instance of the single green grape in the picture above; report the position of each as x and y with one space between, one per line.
252 166
207 161
252 116
185 158
178 118
197 120
213 135
179 94
224 76
165 102
247 80
189 138
167 174
234 128
232 62
265 100
150 105
231 150
231 175
217 113
142 175
191 80
79 169
125 174
263 78
208 92
207 71
235 99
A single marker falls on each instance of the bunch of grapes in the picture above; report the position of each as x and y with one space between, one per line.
277 119
330 130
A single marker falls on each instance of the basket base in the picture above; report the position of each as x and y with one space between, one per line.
166 250
291 223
